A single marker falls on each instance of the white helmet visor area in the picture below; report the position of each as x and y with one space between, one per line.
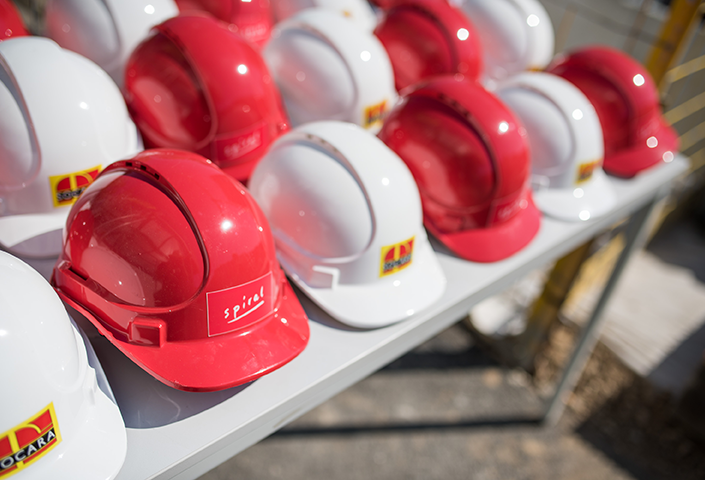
370 267
334 71
565 137
63 424
516 35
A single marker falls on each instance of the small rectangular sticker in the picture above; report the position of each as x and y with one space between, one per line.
396 257
238 306
374 114
28 441
585 171
233 147
66 188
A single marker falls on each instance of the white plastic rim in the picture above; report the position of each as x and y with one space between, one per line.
591 200
350 283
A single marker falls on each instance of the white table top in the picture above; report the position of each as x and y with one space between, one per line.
176 434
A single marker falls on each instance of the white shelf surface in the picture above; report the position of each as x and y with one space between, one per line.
175 434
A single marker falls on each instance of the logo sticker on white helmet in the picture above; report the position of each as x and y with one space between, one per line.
68 187
28 441
374 114
396 257
585 171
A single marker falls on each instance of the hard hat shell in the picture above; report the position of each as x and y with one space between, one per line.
105 31
565 138
349 230
252 19
516 35
162 254
357 11
55 422
327 69
470 158
197 86
11 24
425 38
63 119
626 100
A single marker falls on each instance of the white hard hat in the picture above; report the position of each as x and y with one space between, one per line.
346 216
516 35
357 11
63 119
55 422
567 151
105 31
327 69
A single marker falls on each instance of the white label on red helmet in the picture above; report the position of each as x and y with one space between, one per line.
235 307
396 257
585 171
28 441
66 188
234 146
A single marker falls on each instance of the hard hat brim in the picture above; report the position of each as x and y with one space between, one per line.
386 302
596 197
627 163
496 242
16 229
221 361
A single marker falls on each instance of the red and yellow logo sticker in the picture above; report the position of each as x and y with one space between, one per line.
374 114
396 257
585 171
28 441
65 189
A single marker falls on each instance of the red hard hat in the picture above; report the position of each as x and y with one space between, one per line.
174 262
470 158
11 24
627 103
428 37
197 86
252 19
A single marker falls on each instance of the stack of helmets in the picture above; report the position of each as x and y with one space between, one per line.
347 219
105 31
173 262
328 69
56 421
55 136
516 35
425 38
252 18
636 137
358 12
470 158
565 137
197 86
11 24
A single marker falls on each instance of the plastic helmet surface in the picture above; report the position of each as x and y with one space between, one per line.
516 35
195 85
425 38
357 11
565 138
369 266
55 422
328 69
11 24
55 136
470 158
173 261
105 31
252 19
626 100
